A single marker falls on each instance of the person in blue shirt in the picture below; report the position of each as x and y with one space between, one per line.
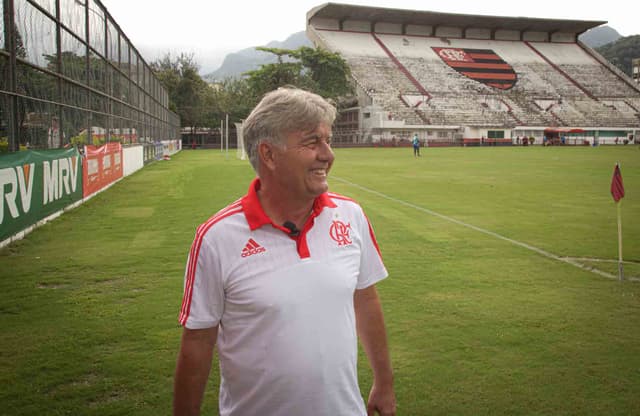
416 145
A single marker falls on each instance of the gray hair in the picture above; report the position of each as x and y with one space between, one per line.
281 112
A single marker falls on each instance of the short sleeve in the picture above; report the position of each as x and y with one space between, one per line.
372 268
203 299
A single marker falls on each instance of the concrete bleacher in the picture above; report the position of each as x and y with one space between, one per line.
585 69
599 80
609 113
557 83
352 44
527 112
375 73
382 82
634 103
462 110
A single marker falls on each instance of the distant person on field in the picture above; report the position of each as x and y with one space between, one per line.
282 281
416 145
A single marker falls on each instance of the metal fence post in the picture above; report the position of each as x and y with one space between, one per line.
12 100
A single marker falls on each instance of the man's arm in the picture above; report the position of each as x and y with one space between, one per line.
192 370
373 336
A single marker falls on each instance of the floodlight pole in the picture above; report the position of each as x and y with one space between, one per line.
221 133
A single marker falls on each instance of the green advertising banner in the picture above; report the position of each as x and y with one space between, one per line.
36 184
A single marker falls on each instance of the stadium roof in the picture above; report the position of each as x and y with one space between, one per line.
342 12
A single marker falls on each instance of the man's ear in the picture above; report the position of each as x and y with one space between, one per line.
267 155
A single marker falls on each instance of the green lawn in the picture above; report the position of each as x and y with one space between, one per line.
478 322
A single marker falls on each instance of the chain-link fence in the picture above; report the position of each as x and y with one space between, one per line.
69 75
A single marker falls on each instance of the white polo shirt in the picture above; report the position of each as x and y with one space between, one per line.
287 338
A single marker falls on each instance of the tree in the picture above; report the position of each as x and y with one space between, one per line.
234 97
317 70
271 76
30 82
167 71
201 105
328 71
621 52
187 91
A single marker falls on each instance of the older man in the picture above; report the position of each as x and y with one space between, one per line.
283 281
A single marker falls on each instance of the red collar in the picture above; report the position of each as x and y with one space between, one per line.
256 216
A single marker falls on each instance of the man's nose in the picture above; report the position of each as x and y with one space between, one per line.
325 152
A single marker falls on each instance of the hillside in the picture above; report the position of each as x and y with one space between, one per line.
599 36
621 52
235 64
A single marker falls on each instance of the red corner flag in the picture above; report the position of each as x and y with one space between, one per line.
617 188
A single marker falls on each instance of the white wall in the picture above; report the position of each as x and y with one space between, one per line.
563 37
329 24
507 35
535 36
478 33
444 31
419 30
356 25
383 27
133 159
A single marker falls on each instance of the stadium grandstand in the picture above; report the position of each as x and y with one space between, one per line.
469 79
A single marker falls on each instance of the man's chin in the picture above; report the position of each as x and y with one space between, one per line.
319 188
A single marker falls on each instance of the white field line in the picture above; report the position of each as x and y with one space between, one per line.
603 260
540 251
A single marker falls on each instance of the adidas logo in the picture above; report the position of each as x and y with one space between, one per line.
252 248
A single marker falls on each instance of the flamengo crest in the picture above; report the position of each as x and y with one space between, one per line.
483 65
339 232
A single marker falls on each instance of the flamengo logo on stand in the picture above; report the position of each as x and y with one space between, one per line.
252 248
482 65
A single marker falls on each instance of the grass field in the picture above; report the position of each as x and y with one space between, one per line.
484 313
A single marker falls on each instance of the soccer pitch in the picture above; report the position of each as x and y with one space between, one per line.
502 297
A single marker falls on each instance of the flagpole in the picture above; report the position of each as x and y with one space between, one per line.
620 271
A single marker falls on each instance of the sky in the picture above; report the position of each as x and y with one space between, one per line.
210 29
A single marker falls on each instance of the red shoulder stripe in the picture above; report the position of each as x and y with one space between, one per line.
342 197
373 237
193 256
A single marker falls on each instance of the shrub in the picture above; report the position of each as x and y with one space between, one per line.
80 139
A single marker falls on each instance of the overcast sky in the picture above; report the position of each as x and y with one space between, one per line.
212 28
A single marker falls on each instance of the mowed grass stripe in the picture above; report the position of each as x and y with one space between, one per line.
482 230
